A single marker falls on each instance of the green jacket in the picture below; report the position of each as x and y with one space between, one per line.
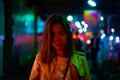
79 60
41 71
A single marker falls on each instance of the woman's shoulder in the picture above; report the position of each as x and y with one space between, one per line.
78 56
79 53
38 57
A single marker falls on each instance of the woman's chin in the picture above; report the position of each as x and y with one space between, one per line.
59 48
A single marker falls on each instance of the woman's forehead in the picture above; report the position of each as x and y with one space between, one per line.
57 27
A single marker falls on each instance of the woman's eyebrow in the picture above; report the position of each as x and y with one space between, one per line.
62 31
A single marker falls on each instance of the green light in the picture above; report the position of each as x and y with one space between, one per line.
28 17
69 18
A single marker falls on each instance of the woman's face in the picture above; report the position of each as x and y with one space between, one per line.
59 37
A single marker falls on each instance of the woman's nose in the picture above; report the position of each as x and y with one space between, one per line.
57 38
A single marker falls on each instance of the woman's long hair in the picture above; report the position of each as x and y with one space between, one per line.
47 51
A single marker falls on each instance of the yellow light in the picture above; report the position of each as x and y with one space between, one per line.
88 42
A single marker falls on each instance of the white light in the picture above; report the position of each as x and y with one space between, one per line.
117 39
101 31
112 30
80 30
102 36
77 23
82 22
92 3
84 29
101 18
111 38
85 25
70 18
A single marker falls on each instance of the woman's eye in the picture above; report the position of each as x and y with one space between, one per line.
62 33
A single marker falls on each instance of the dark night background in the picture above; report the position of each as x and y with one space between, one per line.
22 25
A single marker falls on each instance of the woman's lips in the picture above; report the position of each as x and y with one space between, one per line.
59 44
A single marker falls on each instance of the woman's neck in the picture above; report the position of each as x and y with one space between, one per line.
61 53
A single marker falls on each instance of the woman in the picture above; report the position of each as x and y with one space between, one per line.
57 59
